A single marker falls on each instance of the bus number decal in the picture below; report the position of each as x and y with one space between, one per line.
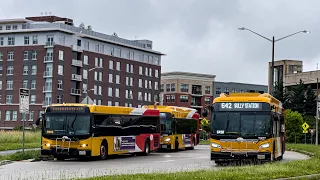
226 105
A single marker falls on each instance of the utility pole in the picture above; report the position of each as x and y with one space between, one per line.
272 67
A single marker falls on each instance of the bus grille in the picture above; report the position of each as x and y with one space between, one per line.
156 140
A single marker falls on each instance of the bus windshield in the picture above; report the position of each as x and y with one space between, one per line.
166 123
241 123
67 124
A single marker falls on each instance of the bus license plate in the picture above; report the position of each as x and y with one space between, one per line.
82 152
164 146
261 157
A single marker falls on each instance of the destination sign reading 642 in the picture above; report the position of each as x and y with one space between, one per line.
240 106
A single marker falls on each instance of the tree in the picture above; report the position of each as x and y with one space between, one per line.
293 126
298 98
310 103
89 28
82 26
279 91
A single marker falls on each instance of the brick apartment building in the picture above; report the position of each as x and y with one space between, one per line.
54 59
187 89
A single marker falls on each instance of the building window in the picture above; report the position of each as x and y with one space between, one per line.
60 69
173 98
168 87
11 41
110 91
59 99
99 90
10 55
14 27
140 83
33 69
26 55
1 56
173 87
9 85
33 99
34 55
25 70
167 98
33 84
95 89
218 90
150 72
85 74
8 27
8 115
156 85
14 115
140 97
10 70
60 84
9 99
162 88
100 76
184 88
109 103
110 78
146 84
140 70
116 103
60 55
146 71
118 66
35 39
85 60
25 84
183 98
26 40
100 62
156 73
110 64
1 41
31 115
226 90
96 76
207 100
117 79
207 90
117 93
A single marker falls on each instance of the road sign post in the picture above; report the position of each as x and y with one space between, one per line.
305 127
24 109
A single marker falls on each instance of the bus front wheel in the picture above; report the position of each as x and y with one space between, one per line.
146 148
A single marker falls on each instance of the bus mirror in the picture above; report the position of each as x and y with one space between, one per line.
38 121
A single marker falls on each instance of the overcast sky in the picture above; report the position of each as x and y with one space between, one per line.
199 35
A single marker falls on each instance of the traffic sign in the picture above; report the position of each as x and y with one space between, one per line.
24 100
305 126
305 131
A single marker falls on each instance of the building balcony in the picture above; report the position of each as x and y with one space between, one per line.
47 89
76 77
76 48
76 62
49 44
47 74
76 92
48 59
196 93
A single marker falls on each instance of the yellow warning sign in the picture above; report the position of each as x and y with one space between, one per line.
305 126
305 131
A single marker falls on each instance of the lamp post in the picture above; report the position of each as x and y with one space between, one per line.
273 42
87 90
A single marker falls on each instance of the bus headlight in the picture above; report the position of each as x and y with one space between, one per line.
266 145
84 145
167 140
48 145
214 145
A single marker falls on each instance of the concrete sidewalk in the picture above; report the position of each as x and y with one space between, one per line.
3 153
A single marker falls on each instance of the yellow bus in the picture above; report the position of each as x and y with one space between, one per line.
180 127
81 130
246 126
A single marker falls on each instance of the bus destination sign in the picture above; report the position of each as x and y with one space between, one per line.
240 106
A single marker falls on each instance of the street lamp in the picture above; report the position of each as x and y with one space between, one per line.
273 41
87 96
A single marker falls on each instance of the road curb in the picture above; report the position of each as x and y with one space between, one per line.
8 152
303 152
299 177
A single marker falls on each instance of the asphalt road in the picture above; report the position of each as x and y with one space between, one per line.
156 162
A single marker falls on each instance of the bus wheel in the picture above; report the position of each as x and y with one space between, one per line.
176 145
146 148
103 151
193 144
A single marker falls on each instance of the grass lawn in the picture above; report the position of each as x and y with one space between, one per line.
204 142
32 154
266 171
12 140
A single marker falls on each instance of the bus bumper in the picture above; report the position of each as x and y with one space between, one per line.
71 153
227 156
